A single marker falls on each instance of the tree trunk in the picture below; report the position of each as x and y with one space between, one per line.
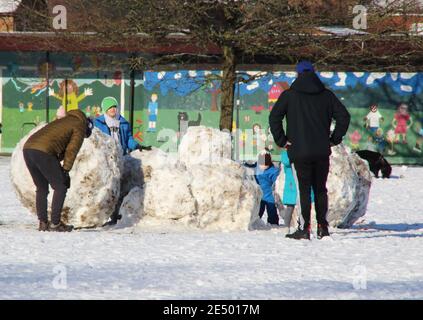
228 89
214 94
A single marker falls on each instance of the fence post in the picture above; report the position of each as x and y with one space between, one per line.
131 107
48 86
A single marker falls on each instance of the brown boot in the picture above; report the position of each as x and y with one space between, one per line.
43 226
61 227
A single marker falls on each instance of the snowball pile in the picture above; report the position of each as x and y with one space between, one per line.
199 187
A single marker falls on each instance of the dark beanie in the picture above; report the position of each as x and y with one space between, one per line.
265 158
304 66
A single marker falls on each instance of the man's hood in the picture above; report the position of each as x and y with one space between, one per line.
308 82
77 114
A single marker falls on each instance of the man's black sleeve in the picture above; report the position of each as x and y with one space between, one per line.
342 118
275 120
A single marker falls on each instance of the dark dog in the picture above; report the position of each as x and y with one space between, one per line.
376 163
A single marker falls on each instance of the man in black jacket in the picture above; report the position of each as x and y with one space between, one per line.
309 109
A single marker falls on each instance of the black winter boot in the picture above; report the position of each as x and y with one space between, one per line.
43 226
61 227
322 231
300 234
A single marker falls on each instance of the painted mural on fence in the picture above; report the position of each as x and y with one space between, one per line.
386 108
76 81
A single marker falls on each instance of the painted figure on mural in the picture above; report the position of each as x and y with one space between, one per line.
379 140
256 134
243 140
96 111
402 122
373 119
72 92
355 138
390 138
88 111
256 128
30 105
419 141
21 107
153 110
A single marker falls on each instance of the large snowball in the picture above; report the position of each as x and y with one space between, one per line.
95 181
198 188
204 145
348 186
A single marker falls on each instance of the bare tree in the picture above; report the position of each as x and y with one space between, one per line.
234 32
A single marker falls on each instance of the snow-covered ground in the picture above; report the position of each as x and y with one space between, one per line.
380 258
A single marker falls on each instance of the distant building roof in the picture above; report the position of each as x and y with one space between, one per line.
341 31
9 6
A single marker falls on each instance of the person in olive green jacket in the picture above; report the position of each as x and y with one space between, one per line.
43 152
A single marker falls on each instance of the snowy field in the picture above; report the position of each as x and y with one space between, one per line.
380 258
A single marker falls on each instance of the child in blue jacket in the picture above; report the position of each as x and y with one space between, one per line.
116 126
266 174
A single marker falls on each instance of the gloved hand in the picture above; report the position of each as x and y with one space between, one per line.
140 148
66 177
89 127
334 142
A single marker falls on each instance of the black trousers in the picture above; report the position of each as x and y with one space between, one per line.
46 170
313 174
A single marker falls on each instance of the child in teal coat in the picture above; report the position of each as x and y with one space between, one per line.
289 198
